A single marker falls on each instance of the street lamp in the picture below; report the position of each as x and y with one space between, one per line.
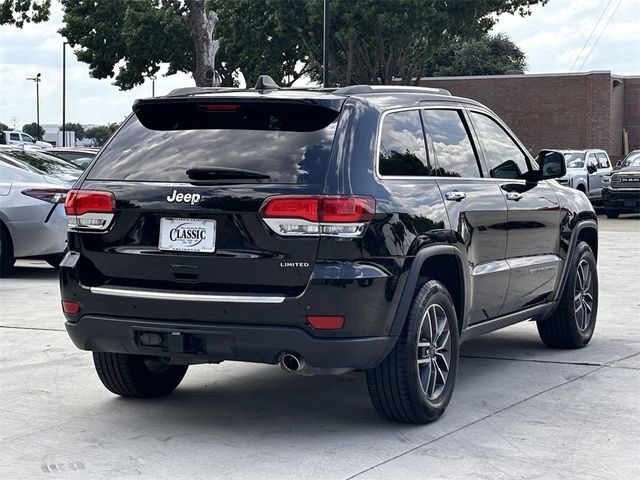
153 83
37 80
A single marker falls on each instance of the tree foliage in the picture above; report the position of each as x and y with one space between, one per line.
74 127
488 55
372 41
4 127
19 12
33 129
101 133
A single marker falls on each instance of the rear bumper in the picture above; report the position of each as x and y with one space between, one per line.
39 237
196 343
622 200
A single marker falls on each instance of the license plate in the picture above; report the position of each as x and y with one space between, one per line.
187 235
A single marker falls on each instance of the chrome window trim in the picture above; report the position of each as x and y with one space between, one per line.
187 297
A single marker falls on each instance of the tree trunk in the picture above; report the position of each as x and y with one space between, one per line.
202 24
347 79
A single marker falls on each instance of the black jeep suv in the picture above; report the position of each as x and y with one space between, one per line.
370 228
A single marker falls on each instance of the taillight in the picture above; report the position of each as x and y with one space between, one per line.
50 195
89 209
325 215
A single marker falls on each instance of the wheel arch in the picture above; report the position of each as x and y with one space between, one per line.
585 230
444 263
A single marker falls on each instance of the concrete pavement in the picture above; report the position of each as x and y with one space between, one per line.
520 410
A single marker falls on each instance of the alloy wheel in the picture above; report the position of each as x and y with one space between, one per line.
434 351
583 295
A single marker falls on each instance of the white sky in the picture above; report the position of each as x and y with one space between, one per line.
552 37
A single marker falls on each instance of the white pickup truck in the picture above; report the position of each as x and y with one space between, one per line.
12 137
585 170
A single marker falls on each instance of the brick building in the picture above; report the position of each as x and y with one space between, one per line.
571 110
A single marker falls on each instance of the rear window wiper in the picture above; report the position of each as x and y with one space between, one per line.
213 173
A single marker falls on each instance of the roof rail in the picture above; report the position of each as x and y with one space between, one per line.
360 89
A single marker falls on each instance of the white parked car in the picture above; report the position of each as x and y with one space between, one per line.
12 137
585 169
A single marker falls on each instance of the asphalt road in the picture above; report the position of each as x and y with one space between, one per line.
520 410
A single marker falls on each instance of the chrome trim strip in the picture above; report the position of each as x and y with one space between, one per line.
187 297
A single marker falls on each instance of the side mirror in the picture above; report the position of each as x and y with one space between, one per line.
551 164
591 168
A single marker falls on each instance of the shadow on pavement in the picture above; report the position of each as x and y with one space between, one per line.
26 271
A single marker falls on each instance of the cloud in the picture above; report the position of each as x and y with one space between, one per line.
554 35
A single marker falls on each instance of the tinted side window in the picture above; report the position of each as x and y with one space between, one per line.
453 150
402 147
504 158
14 136
603 161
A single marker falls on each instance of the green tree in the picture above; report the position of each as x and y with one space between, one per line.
74 127
488 55
34 130
376 41
372 41
4 127
19 12
101 133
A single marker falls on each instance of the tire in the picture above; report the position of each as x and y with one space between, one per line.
612 213
398 391
137 376
573 322
6 251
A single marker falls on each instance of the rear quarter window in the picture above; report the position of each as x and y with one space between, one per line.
289 142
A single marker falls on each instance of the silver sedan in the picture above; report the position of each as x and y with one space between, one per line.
32 219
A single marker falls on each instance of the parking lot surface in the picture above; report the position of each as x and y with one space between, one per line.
520 410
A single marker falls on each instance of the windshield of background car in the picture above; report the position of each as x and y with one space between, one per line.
574 159
290 142
44 163
631 161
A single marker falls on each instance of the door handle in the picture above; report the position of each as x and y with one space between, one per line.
455 196
515 196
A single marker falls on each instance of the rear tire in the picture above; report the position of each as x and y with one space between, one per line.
415 382
612 213
6 251
137 376
573 322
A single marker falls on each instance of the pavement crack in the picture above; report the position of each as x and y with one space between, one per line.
533 360
43 329
456 430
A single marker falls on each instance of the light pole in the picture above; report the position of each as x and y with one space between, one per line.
37 80
152 77
64 92
325 46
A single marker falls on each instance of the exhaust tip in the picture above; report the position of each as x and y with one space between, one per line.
290 362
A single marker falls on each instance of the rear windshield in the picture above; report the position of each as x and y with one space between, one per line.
43 163
289 142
